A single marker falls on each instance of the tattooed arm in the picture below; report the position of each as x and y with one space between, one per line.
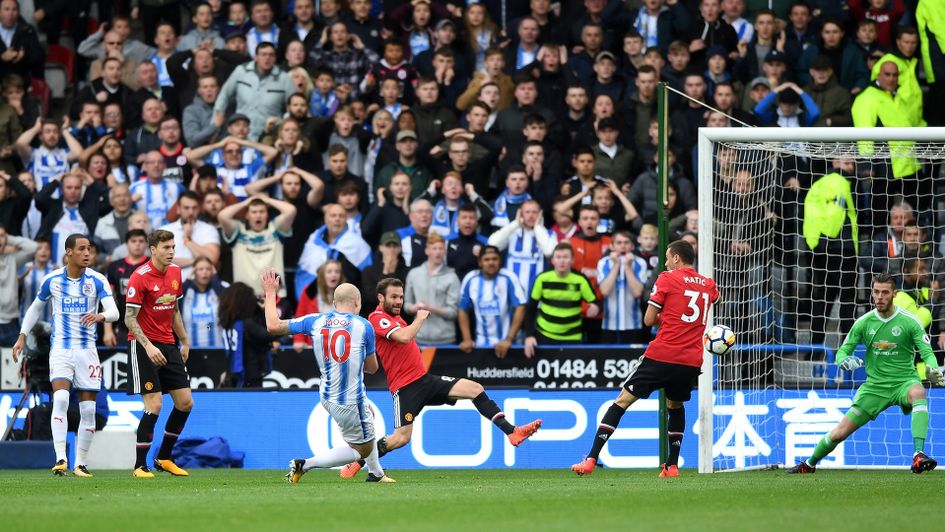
131 321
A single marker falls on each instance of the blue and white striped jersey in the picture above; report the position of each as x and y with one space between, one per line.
71 299
622 310
156 199
199 314
341 342
524 257
493 301
46 164
238 178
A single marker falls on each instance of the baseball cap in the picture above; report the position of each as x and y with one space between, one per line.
821 62
406 134
605 55
759 81
443 23
390 237
236 118
775 55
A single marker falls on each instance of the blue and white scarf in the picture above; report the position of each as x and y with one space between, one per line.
317 251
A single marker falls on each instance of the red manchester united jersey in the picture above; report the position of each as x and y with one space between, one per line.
156 293
683 297
402 362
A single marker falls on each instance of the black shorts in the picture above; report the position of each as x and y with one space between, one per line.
145 377
651 375
429 390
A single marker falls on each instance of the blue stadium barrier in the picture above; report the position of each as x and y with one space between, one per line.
752 428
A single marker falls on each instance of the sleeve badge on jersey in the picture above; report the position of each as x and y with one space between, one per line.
653 292
131 291
384 323
926 338
175 285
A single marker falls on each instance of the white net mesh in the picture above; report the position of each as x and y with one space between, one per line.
793 280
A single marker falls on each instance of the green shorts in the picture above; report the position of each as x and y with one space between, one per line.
871 399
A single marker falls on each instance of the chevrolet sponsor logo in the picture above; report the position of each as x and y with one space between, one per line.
884 345
165 299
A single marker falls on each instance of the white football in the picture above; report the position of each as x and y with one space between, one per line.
719 340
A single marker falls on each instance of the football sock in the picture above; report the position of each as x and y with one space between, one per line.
381 446
607 427
490 411
333 458
675 427
175 424
373 464
145 435
83 437
920 424
60 422
824 447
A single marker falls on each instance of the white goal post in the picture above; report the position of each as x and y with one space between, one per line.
820 144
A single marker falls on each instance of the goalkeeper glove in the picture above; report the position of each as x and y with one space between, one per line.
851 363
935 376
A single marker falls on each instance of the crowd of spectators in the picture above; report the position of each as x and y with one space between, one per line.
463 147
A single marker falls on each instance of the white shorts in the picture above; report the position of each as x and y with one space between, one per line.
81 367
356 421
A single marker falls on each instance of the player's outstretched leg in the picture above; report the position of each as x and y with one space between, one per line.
608 424
855 417
467 389
340 455
60 427
920 430
84 438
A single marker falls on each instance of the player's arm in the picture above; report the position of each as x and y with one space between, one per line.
270 286
652 316
29 321
131 321
109 315
370 364
178 325
922 343
405 334
845 358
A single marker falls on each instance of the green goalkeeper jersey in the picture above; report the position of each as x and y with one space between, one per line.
890 346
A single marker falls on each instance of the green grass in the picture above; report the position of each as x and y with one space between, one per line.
480 500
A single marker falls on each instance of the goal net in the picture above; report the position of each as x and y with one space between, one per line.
793 225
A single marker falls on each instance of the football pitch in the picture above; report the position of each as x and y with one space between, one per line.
481 500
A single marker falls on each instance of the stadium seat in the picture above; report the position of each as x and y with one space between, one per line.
57 80
40 90
63 56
